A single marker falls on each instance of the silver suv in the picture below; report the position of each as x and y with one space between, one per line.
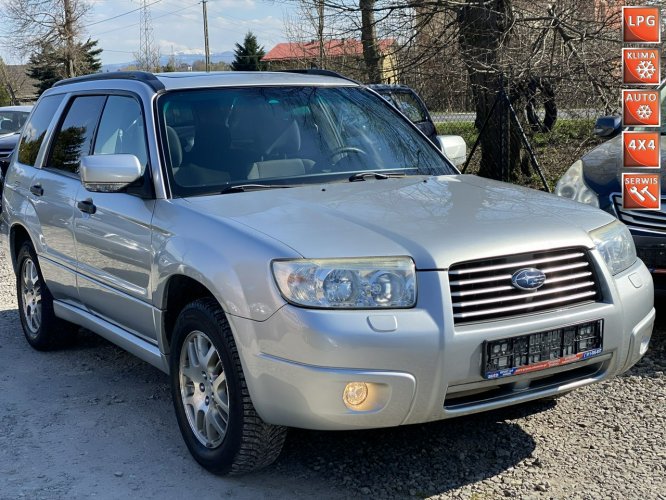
292 251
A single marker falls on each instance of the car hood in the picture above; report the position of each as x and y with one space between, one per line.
436 220
602 168
9 141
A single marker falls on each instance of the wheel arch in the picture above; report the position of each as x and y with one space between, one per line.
18 235
179 290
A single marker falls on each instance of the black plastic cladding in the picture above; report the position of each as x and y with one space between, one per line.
141 76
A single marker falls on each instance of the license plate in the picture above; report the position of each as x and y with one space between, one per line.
541 350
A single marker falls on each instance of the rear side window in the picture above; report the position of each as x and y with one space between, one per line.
121 129
34 132
74 136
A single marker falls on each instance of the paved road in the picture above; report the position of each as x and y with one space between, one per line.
94 421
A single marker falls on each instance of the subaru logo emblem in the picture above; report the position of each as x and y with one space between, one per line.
528 279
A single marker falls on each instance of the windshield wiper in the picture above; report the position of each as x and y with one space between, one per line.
239 188
361 176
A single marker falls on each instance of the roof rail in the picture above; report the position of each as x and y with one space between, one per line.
141 76
321 72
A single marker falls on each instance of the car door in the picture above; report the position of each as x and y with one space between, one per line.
112 230
53 189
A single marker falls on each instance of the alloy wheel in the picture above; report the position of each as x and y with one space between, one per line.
31 294
204 390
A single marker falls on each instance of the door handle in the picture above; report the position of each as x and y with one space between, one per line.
87 206
37 190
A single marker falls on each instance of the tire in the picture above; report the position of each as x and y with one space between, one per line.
540 89
42 329
214 411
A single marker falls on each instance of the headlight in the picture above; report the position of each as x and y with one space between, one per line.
365 283
615 245
572 186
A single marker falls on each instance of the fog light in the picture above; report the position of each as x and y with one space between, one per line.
355 394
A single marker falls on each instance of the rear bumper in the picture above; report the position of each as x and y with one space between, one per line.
417 365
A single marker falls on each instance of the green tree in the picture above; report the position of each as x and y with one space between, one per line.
50 64
5 100
248 56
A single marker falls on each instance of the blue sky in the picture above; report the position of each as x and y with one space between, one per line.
178 26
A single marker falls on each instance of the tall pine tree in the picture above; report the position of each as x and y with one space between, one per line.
49 64
248 56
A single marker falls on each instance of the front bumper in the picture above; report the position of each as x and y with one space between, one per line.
420 367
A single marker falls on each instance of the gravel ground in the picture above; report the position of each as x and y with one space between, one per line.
94 421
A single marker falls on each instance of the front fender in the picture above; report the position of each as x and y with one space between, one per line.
230 259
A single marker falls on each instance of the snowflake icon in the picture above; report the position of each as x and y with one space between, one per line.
645 70
644 112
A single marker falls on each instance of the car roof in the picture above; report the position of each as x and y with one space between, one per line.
16 108
194 80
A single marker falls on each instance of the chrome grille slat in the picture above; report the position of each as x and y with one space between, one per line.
483 290
549 281
570 280
525 263
480 280
503 298
567 278
526 306
557 269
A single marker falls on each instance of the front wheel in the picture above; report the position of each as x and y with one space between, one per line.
213 407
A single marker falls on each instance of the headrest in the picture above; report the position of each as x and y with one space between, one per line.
288 142
175 149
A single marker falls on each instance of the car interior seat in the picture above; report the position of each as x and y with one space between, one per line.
280 157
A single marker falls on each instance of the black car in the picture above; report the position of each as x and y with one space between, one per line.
410 104
596 179
407 101
7 145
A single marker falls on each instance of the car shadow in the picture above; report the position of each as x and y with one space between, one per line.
450 454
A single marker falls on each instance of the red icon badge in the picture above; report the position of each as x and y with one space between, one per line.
641 24
641 149
641 66
641 108
641 191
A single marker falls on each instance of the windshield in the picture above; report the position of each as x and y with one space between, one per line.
12 121
217 138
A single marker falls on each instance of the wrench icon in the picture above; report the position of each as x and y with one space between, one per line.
634 191
646 191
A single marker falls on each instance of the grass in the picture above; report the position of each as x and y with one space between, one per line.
555 150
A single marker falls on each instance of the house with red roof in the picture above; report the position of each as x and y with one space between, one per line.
343 55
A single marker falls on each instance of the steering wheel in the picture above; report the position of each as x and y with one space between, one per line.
345 149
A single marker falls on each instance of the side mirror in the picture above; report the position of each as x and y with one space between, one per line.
109 173
453 147
607 126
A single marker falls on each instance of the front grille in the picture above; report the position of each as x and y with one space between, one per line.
652 220
482 290
5 154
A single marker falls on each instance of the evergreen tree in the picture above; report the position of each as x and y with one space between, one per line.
49 64
248 56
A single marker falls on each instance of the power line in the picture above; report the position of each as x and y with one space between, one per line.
154 17
121 15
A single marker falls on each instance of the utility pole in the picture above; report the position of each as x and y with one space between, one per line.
149 57
320 31
206 48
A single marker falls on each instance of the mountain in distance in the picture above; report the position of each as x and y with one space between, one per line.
227 57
